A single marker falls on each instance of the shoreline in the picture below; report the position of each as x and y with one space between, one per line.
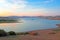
48 34
54 18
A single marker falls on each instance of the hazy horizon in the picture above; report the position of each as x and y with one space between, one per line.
29 16
29 7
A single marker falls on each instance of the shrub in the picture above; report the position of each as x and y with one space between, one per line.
23 33
58 29
2 33
52 33
33 33
11 33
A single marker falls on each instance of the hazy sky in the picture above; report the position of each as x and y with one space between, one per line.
29 7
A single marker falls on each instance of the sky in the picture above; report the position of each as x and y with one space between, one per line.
29 7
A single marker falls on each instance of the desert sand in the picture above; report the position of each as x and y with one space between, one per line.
47 34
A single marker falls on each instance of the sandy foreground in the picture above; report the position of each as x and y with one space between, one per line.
48 34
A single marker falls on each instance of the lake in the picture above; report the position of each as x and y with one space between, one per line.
29 24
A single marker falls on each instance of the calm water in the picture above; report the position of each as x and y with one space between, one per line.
29 24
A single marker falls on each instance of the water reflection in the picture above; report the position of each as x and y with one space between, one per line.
27 24
8 24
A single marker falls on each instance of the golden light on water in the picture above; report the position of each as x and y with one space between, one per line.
8 24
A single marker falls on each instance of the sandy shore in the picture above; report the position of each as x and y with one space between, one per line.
48 34
54 18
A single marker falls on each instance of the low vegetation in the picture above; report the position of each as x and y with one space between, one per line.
52 33
28 33
11 33
33 33
3 33
23 33
8 21
56 30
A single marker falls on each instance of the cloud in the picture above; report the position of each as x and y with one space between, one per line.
12 5
47 1
18 3
23 8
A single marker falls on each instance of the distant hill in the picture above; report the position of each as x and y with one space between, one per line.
34 16
9 19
